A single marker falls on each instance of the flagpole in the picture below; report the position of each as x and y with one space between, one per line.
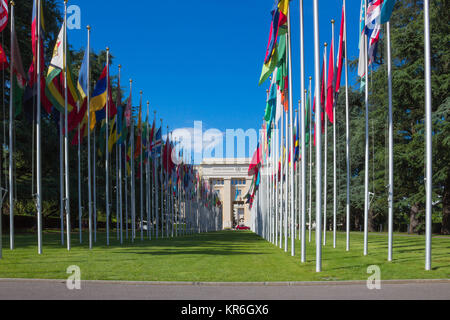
171 200
429 137
282 204
107 148
291 119
347 129
39 132
80 210
61 175
66 132
366 173
276 198
310 160
334 148
94 184
318 139
141 176
147 174
286 180
156 185
11 135
118 168
126 189
89 135
161 211
133 192
303 135
120 176
391 148
166 213
325 169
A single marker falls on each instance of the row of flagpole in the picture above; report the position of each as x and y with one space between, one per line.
279 210
170 206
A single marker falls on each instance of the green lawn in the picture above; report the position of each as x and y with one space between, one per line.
222 256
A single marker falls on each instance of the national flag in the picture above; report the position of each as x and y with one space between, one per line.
307 117
279 19
296 140
31 91
98 99
128 110
83 84
3 14
19 81
156 143
3 59
113 134
373 44
98 115
152 132
330 89
55 78
340 54
256 162
322 99
137 151
386 11
362 48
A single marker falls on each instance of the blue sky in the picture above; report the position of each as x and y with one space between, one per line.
201 59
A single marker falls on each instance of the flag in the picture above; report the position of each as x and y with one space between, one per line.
120 129
98 111
19 81
386 11
128 111
55 78
98 99
296 140
340 54
322 100
256 162
3 14
3 59
167 157
83 84
307 117
156 143
279 19
31 91
152 132
373 27
362 49
330 84
113 134
137 151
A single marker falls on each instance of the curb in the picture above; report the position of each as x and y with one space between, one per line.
238 284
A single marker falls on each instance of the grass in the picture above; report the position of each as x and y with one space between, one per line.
225 256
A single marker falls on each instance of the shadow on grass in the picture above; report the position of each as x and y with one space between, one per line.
192 252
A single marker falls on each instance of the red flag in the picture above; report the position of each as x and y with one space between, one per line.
330 91
340 57
322 98
3 60
256 162
32 72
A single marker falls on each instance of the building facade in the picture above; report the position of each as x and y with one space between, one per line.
229 177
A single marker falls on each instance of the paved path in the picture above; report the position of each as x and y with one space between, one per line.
95 290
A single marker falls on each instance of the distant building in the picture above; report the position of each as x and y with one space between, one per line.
230 178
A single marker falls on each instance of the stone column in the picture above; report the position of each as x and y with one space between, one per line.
227 204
